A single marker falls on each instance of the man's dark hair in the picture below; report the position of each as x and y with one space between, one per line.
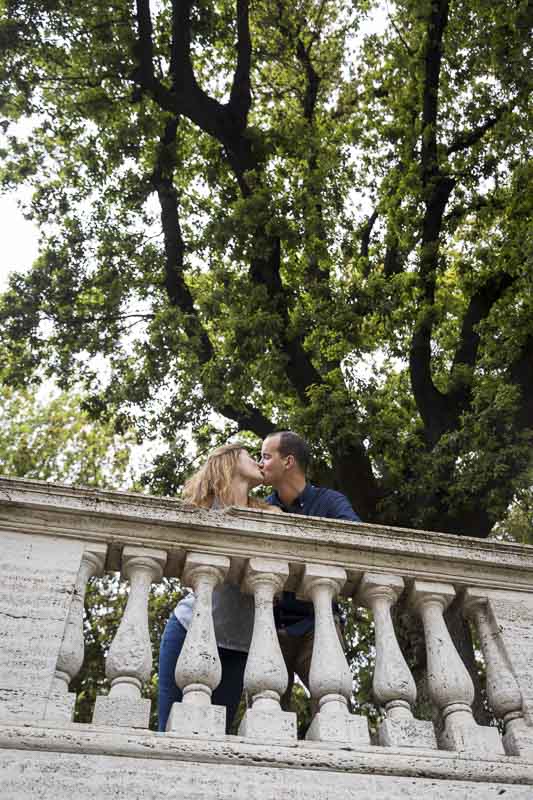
290 444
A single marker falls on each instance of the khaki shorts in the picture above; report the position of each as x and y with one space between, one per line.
297 653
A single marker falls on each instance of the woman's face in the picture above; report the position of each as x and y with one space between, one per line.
248 469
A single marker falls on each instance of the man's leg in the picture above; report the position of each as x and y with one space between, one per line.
288 651
228 692
171 645
302 663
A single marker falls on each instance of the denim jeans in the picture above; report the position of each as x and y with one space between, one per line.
228 692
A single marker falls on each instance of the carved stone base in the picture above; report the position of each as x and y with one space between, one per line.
190 720
518 739
407 733
462 734
279 725
122 712
60 707
339 726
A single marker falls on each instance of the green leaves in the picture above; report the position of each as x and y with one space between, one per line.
55 440
238 269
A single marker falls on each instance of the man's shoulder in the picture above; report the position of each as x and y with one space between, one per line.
325 492
334 504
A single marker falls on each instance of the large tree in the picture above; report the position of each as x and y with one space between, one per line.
266 211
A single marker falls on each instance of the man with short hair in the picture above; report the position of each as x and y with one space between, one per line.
284 461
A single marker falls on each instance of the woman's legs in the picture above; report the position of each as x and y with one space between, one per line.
228 692
171 644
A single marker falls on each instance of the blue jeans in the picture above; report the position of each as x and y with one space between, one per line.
228 692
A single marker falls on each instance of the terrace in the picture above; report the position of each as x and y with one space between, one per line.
54 539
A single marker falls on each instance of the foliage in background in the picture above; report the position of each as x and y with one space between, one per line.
284 214
359 643
104 606
55 440
517 525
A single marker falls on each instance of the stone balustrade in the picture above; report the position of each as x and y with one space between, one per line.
54 539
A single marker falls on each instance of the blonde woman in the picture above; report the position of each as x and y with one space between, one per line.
225 479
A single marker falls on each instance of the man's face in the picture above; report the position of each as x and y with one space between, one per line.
273 464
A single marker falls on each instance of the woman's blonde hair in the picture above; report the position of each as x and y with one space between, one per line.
212 482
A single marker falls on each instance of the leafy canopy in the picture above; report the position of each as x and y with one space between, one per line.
54 440
267 212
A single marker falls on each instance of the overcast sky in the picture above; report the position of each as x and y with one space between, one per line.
18 236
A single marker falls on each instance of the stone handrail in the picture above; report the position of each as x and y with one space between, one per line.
54 538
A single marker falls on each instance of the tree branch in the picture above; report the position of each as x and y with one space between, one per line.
431 403
249 419
315 273
467 139
460 393
479 307
366 232
227 127
225 123
393 262
312 81
265 271
436 25
177 290
521 373
241 95
144 74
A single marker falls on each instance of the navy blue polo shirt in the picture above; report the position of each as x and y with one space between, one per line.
297 616
315 501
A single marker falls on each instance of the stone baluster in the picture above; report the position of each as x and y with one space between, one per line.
265 677
449 684
199 671
61 702
330 679
503 691
393 684
129 660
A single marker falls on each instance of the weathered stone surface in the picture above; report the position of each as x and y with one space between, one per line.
407 733
129 743
61 702
60 706
518 739
87 763
465 736
122 712
513 612
129 660
265 676
266 726
124 518
339 726
49 776
191 720
37 578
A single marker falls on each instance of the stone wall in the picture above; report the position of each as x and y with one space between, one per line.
37 578
53 538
